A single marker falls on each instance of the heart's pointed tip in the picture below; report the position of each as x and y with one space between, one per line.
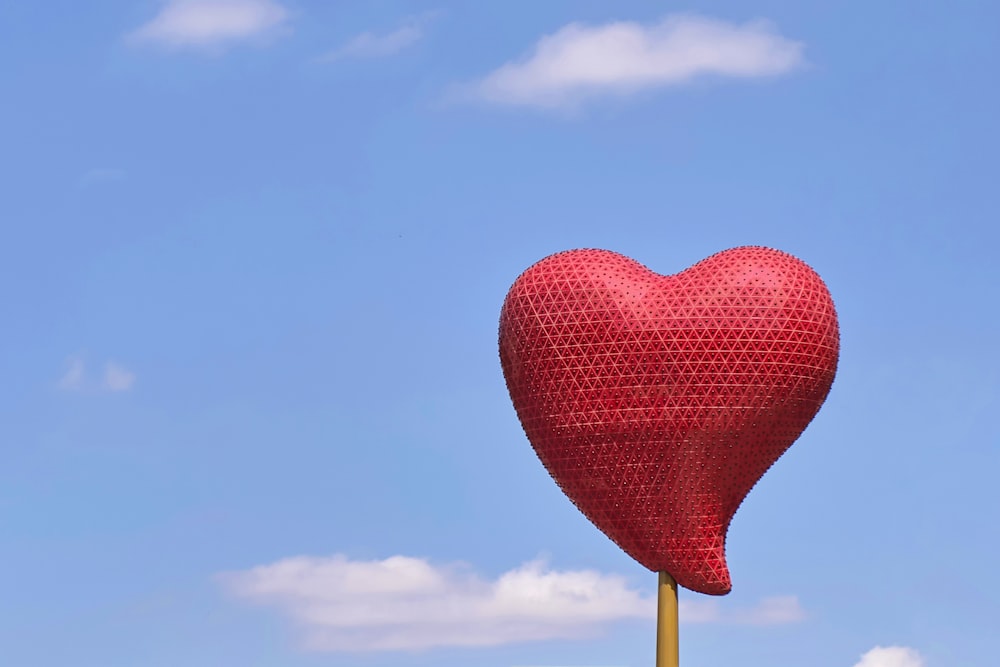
702 570
719 589
709 583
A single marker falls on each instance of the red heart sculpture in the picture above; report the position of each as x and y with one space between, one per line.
657 402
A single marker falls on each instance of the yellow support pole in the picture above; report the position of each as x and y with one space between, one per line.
667 646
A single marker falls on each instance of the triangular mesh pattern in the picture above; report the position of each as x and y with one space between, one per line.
657 402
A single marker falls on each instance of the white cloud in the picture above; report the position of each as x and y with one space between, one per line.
580 61
72 380
404 603
117 378
211 23
371 45
891 656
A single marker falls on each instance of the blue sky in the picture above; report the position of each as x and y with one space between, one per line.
254 255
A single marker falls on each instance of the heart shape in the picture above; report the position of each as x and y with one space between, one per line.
657 402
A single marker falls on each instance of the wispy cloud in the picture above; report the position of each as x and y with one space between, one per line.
778 610
373 45
206 24
115 378
98 176
404 603
72 379
579 62
891 656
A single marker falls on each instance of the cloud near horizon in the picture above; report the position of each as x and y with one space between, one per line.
579 62
404 603
891 656
206 24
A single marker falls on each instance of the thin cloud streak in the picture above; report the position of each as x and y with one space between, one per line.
372 45
777 610
100 176
579 62
202 24
115 378
404 603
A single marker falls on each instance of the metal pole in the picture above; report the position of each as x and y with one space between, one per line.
667 647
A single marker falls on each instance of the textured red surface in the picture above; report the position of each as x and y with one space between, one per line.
657 402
